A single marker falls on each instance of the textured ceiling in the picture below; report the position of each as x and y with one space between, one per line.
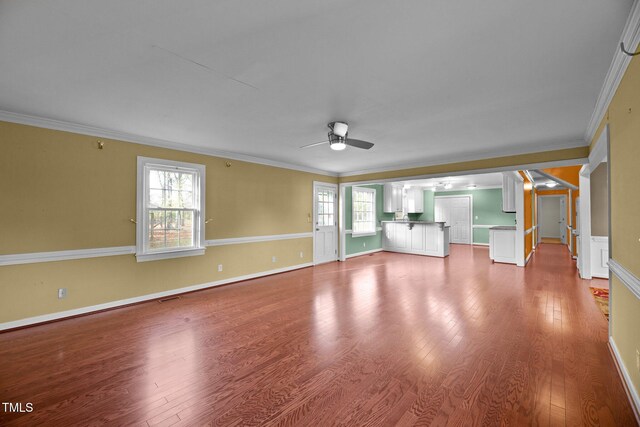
425 81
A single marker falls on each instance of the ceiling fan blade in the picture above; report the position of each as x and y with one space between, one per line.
314 144
359 143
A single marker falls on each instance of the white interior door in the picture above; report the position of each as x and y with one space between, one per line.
456 213
461 220
549 217
325 234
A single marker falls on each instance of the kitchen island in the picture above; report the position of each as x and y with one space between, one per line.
416 237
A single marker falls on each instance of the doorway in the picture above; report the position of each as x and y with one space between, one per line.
552 219
456 212
325 222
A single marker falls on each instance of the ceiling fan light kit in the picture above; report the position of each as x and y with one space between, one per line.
338 139
336 142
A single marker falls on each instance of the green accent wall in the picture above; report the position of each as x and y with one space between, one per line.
356 245
487 206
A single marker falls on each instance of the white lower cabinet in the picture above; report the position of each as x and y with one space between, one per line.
416 238
502 244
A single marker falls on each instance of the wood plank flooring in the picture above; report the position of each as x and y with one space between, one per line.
386 339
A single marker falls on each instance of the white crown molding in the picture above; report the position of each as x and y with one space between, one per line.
46 123
626 277
630 37
464 188
551 164
35 257
113 304
626 378
483 155
255 239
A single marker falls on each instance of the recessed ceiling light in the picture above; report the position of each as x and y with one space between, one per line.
551 184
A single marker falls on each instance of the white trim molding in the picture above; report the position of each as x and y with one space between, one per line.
480 244
65 126
529 231
626 277
488 225
35 257
626 378
630 37
255 239
364 253
148 297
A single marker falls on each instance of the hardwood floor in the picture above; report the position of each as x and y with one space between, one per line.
386 339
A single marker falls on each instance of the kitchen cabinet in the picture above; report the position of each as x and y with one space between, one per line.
392 198
502 244
508 192
415 200
416 237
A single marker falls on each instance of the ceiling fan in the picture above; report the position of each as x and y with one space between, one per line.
338 138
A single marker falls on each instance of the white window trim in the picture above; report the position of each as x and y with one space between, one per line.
353 215
142 219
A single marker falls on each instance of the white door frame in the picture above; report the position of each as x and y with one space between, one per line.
597 156
470 196
317 184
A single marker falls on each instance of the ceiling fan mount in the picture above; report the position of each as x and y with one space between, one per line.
338 138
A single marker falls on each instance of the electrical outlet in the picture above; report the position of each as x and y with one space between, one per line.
364 244
62 293
273 259
301 254
219 267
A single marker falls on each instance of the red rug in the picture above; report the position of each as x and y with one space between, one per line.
602 299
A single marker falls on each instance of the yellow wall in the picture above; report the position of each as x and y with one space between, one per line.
528 214
623 117
60 192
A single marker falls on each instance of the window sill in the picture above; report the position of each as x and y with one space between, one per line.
364 234
153 256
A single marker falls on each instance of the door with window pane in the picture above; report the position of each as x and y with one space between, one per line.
325 235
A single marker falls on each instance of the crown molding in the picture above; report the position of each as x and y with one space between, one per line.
65 126
630 37
481 155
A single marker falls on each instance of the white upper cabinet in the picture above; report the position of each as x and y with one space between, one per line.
508 192
415 200
392 198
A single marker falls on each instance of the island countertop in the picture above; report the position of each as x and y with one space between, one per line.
409 221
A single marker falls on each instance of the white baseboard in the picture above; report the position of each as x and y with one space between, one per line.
480 244
528 257
626 378
364 253
84 310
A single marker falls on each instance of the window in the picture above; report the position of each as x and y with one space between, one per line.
364 211
170 209
326 207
